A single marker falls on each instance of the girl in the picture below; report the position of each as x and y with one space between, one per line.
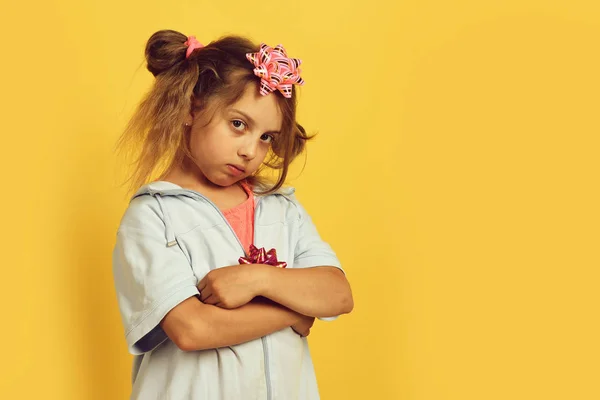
204 317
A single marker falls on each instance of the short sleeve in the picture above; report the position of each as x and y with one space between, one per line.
150 278
311 250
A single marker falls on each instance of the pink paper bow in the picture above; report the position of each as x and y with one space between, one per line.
261 256
192 45
275 70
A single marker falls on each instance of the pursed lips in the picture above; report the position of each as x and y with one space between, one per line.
238 167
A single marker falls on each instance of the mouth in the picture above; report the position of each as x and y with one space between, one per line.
237 167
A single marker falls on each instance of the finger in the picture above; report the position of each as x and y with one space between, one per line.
202 284
213 300
205 294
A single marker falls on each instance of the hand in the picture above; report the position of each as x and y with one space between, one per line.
230 287
303 326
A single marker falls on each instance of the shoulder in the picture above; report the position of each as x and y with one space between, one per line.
144 208
142 214
284 201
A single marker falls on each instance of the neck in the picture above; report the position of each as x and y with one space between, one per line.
188 175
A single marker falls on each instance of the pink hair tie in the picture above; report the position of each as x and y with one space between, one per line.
192 45
276 70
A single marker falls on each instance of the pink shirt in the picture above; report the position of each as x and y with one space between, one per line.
241 218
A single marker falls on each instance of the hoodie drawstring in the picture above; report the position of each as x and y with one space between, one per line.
170 235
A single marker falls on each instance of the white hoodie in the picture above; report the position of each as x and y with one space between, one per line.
169 238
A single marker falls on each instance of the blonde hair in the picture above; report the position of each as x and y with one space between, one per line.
213 76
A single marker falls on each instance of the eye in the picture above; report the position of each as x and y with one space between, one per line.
267 137
238 124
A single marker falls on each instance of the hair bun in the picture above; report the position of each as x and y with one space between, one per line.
164 49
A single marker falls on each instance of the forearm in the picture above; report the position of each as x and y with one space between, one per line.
215 327
316 292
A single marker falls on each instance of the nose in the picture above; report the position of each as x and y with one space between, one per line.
248 148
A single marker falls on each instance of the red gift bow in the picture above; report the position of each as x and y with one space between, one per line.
261 256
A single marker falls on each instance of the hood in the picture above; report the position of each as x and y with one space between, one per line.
164 188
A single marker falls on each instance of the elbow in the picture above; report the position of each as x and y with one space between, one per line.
187 345
186 341
347 304
347 301
342 305
187 325
192 343
192 338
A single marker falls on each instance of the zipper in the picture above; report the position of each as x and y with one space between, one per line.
227 222
267 369
264 339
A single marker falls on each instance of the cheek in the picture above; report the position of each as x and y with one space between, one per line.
209 143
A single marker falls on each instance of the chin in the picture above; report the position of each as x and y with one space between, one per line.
225 181
222 182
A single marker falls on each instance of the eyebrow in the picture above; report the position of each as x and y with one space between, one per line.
250 119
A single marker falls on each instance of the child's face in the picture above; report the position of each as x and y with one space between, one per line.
239 136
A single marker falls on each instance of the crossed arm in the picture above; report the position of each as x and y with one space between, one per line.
245 302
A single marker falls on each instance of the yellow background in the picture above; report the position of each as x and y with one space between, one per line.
455 174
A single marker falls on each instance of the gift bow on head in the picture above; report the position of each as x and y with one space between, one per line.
261 256
275 70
